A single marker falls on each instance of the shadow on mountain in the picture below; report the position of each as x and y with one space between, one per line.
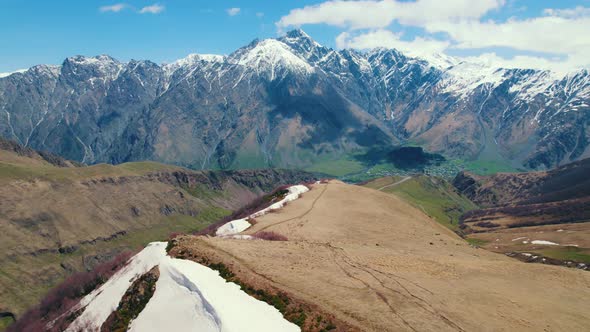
406 158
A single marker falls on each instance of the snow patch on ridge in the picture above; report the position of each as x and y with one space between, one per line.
99 304
192 60
464 78
188 296
240 225
543 242
14 72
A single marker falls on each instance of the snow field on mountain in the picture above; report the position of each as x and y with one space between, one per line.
188 296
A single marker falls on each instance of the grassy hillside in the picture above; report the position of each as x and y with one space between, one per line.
58 217
435 196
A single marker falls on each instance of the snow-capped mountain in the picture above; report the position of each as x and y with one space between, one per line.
289 101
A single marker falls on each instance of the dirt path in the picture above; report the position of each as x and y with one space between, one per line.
296 217
396 183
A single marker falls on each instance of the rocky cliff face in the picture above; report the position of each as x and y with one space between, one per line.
291 102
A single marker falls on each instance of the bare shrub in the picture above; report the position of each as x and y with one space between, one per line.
486 224
174 235
269 236
65 296
254 206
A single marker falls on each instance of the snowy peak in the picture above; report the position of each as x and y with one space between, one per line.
194 59
465 77
305 46
189 64
297 34
97 66
46 70
271 56
99 60
299 38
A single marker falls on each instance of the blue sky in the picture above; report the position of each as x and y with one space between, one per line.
40 31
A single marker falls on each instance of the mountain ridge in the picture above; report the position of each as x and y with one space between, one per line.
289 101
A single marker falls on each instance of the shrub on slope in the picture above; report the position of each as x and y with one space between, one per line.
65 296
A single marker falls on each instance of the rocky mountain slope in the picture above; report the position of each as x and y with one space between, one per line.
546 213
58 218
292 102
562 183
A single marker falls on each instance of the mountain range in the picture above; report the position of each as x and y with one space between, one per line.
291 102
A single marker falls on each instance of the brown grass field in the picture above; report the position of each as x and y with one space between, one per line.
379 264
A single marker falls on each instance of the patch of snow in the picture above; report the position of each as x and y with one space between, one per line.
519 238
559 230
273 57
100 303
104 66
241 237
526 254
193 59
529 85
543 242
525 242
463 78
233 227
240 225
294 192
14 72
188 296
439 60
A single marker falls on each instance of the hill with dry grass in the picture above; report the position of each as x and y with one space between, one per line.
369 261
59 217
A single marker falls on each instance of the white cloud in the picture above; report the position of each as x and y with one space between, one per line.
457 24
233 11
379 14
542 34
153 9
521 61
384 38
549 35
113 8
579 11
260 14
